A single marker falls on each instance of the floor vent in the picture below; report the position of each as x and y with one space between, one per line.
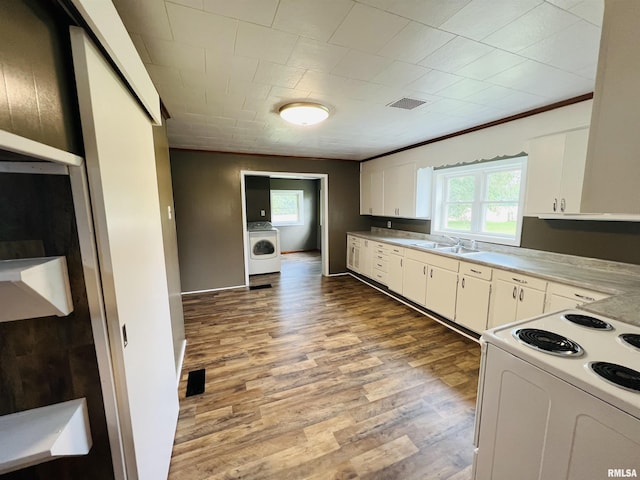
260 287
195 382
407 103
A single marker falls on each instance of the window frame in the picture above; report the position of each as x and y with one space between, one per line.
480 171
299 194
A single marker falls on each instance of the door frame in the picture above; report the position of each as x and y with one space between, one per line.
324 211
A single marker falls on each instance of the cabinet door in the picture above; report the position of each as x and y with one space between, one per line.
365 258
414 286
441 291
505 297
377 193
472 303
573 164
530 303
365 191
400 191
544 172
394 278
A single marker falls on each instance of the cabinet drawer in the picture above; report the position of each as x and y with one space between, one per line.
418 255
396 250
444 262
379 276
578 294
520 279
380 265
380 246
474 270
381 256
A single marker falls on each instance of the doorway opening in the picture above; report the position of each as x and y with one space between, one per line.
302 224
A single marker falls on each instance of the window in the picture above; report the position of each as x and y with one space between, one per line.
481 201
287 207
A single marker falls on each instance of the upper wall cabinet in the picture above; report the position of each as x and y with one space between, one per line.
555 173
397 191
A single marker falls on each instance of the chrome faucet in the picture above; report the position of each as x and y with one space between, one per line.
456 240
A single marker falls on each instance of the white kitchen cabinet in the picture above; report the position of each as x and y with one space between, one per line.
414 286
365 257
560 297
395 267
555 172
379 262
474 292
353 253
371 190
400 191
515 297
442 285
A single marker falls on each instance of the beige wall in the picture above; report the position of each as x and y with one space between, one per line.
169 238
207 194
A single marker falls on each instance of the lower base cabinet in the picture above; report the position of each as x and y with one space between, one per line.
441 291
472 303
516 297
415 281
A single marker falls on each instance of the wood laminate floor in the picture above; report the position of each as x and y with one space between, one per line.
322 378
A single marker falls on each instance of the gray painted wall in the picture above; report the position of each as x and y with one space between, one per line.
207 194
256 189
297 238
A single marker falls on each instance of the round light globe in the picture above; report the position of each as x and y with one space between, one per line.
304 113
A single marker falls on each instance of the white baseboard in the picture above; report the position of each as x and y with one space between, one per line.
194 292
183 349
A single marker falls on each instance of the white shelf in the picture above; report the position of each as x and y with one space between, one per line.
601 217
34 287
42 434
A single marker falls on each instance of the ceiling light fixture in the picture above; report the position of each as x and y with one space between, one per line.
304 113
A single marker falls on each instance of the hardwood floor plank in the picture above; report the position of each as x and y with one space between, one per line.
322 378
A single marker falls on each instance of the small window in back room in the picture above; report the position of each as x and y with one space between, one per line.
287 207
482 201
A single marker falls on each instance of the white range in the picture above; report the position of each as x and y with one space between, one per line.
559 398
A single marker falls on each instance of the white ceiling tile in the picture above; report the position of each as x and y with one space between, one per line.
399 74
311 18
520 102
202 29
145 17
539 79
278 75
255 90
591 10
166 76
429 12
456 54
494 62
434 81
483 17
571 49
138 42
314 55
230 66
588 71
317 82
217 82
367 29
174 54
536 25
361 66
255 41
565 4
288 93
254 11
462 89
414 42
490 96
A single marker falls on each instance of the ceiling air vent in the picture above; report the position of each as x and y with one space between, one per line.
407 103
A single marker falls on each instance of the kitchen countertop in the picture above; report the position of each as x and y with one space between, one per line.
621 280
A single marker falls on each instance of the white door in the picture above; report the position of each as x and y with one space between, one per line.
505 298
441 291
120 161
472 303
530 303
414 285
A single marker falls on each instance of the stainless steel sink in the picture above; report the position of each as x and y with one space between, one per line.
457 249
430 245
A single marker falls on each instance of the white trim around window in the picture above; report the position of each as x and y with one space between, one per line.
482 201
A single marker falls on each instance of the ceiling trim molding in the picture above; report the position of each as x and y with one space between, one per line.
518 116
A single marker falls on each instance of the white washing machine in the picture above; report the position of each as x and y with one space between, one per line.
263 248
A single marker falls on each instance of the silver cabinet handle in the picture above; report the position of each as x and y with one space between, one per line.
401 262
521 294
431 273
462 282
515 292
424 269
476 271
584 297
563 204
519 280
555 204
